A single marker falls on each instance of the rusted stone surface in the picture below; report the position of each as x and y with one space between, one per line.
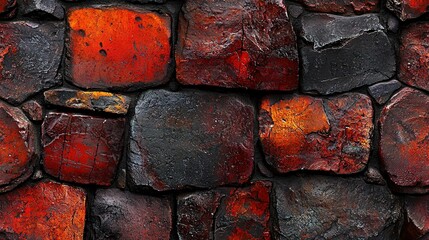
42 9
7 9
233 213
408 9
302 132
45 210
18 149
30 55
33 109
207 139
123 215
414 57
342 6
117 47
245 44
93 101
404 147
326 207
381 92
82 149
416 224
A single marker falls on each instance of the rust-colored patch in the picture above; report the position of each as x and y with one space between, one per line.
112 47
342 6
46 210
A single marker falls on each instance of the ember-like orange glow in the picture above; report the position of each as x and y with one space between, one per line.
47 210
117 47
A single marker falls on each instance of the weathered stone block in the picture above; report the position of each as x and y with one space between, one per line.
404 147
117 47
408 9
45 210
325 207
302 132
30 55
190 139
237 44
92 101
82 149
381 92
123 215
416 224
42 8
342 6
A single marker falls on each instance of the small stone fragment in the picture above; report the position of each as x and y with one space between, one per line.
416 224
300 132
92 101
237 44
326 29
33 109
393 24
364 60
147 1
42 8
123 215
404 145
381 92
232 213
30 55
373 175
18 149
45 210
408 9
327 207
7 9
190 139
342 6
117 47
414 56
121 181
82 149
295 11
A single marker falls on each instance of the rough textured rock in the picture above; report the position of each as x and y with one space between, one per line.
30 55
416 223
414 57
381 92
301 132
7 9
33 109
325 207
147 1
42 8
82 149
364 60
408 9
342 6
404 145
236 213
323 29
245 44
92 101
18 149
190 139
45 210
124 215
117 47
373 175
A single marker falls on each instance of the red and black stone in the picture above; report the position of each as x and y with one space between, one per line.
404 145
33 109
416 224
346 7
408 9
190 139
30 55
8 9
119 214
82 149
237 44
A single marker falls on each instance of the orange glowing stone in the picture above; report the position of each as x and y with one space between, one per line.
116 47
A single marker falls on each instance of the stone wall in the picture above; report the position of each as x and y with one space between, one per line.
214 119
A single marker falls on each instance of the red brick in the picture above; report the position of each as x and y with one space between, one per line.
404 146
302 132
414 56
416 222
18 149
246 44
123 215
408 9
117 47
342 6
233 213
7 8
46 210
82 149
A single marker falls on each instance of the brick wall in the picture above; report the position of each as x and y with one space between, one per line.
214 119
